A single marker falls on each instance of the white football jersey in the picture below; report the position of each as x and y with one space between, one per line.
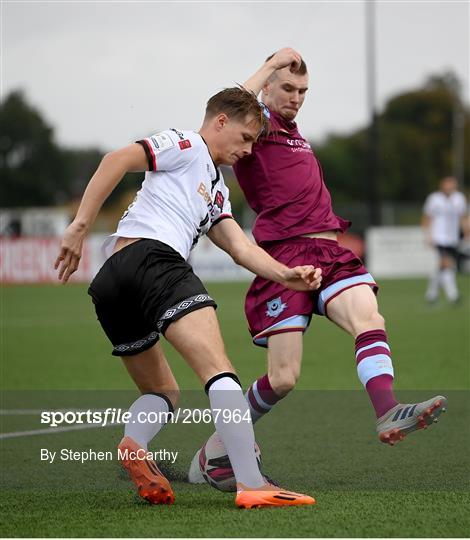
182 197
445 213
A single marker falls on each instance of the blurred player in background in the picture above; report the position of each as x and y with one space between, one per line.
146 287
444 217
283 183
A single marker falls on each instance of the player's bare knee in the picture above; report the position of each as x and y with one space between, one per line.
374 321
367 322
378 320
446 262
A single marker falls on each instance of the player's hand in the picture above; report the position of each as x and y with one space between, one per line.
286 57
428 240
303 278
70 251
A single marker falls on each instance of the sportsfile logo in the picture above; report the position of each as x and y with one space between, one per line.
113 416
107 417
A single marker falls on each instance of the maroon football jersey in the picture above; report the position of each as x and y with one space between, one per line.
283 183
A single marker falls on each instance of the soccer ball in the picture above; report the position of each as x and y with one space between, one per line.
213 464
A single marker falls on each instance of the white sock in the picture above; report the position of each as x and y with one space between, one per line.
449 284
138 428
237 434
432 292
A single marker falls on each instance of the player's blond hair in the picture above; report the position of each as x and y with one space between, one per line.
237 103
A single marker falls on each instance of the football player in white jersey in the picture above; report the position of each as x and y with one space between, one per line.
444 213
146 287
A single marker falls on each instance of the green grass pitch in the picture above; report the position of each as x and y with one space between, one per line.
320 440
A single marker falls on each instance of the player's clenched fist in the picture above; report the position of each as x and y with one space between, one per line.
303 278
286 57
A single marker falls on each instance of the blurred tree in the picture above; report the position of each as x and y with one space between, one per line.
416 141
343 167
237 199
80 167
35 171
80 164
32 166
415 146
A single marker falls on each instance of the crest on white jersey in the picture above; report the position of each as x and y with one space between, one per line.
162 141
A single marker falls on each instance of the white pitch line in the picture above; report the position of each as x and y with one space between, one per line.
31 412
15 412
49 431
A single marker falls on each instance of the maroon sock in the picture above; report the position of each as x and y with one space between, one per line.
372 349
261 398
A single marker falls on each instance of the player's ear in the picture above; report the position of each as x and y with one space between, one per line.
221 121
265 88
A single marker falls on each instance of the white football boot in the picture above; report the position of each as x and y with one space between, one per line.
400 420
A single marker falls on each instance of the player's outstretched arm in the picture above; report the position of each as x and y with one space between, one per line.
228 235
110 172
283 58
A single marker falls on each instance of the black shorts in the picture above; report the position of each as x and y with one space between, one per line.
447 251
140 290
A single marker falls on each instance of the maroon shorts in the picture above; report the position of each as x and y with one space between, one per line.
271 309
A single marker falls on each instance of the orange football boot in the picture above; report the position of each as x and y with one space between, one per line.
269 495
145 474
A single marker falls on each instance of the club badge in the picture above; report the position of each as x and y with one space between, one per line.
275 307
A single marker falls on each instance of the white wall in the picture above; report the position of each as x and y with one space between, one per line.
398 252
